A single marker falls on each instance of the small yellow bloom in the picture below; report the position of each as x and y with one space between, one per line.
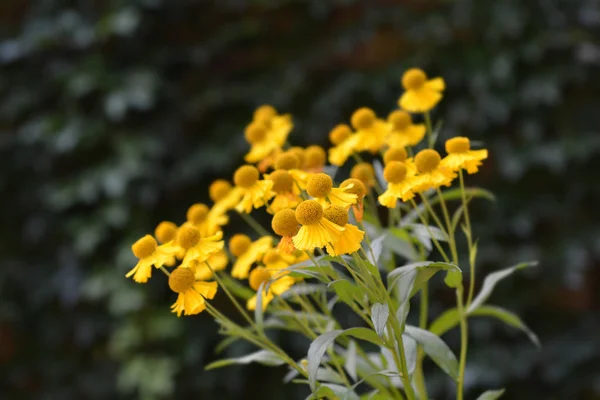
399 184
345 144
218 190
365 173
279 125
255 193
403 133
146 250
267 134
320 186
460 155
261 276
286 225
192 245
299 153
217 262
358 188
287 161
314 159
287 194
421 94
431 174
191 293
395 154
253 253
316 231
371 131
209 221
165 231
349 241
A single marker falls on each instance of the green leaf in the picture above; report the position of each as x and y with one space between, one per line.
399 241
491 395
302 289
492 279
379 315
435 348
376 249
333 391
410 278
258 311
319 346
426 233
450 318
264 357
350 361
236 288
508 318
347 291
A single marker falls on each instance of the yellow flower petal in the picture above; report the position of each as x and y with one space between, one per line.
255 252
348 242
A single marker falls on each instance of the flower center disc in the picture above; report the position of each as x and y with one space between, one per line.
413 79
245 176
188 236
395 154
309 212
363 118
181 279
238 244
258 276
336 214
358 187
165 231
427 160
218 189
255 132
314 157
264 113
364 172
319 185
287 161
284 223
458 145
394 172
197 213
400 120
271 257
339 134
283 182
144 247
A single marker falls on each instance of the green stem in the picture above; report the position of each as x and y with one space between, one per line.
253 224
469 239
402 358
449 232
463 343
435 241
430 138
423 314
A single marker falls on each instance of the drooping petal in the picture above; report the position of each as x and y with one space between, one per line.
348 243
142 270
255 251
339 197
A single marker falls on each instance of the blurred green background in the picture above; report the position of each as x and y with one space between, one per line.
115 115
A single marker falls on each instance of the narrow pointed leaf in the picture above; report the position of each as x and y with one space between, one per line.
379 315
491 395
263 357
436 349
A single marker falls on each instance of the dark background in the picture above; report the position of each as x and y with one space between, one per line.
115 115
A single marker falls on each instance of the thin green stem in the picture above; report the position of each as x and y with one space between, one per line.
449 232
253 224
401 360
231 297
430 138
469 238
464 337
423 314
435 241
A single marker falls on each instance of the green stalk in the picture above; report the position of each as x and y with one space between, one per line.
463 343
253 224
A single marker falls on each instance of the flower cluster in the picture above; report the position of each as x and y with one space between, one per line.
326 227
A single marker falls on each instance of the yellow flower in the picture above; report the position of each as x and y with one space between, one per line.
371 131
287 194
403 132
261 145
217 262
146 250
395 154
209 221
279 125
287 161
431 174
349 241
164 233
358 188
345 144
399 184
421 94
314 159
253 252
316 231
218 190
460 155
191 293
190 242
261 276
365 173
286 225
255 193
320 186
267 134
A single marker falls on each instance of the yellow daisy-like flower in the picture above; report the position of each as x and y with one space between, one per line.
365 173
399 184
286 225
371 130
190 242
262 146
345 144
287 161
316 231
431 174
358 188
255 193
421 94
261 276
349 241
395 154
191 293
218 190
403 133
216 262
267 134
287 194
247 253
314 159
146 250
209 221
279 125
164 233
460 155
320 186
